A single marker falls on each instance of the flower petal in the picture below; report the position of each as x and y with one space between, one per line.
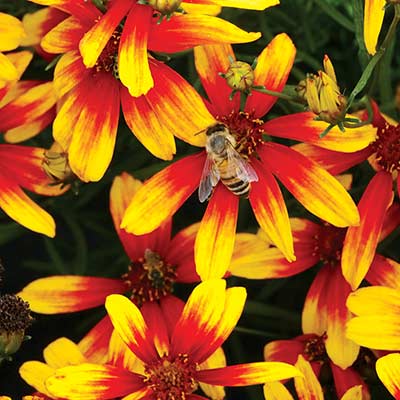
131 326
254 5
185 31
384 272
248 374
162 195
354 393
95 40
62 352
285 350
304 128
270 210
201 9
95 130
90 381
28 106
307 387
361 241
210 62
373 17
18 206
8 72
11 32
94 345
172 308
35 373
69 293
342 351
216 360
276 391
64 37
315 188
272 71
334 162
388 370
181 254
132 55
345 379
216 236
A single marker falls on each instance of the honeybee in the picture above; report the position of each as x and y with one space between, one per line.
224 163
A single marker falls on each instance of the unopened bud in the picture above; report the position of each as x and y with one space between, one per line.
165 7
323 94
15 317
240 76
56 166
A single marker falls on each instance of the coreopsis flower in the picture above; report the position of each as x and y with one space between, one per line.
322 94
11 36
325 312
99 72
387 368
172 348
308 387
15 318
59 353
162 195
21 167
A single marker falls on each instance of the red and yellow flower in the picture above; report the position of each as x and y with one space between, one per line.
173 349
60 353
99 71
375 324
308 387
162 195
21 167
11 35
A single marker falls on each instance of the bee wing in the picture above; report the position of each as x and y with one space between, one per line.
209 179
242 169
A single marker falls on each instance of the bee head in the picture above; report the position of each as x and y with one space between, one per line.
218 127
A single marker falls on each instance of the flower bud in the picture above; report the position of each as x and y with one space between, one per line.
165 7
323 94
15 317
240 76
56 166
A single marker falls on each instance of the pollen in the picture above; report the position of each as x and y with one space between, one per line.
314 348
329 243
171 379
387 148
149 278
247 130
108 59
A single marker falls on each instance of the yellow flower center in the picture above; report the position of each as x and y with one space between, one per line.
329 243
149 278
171 379
246 129
387 147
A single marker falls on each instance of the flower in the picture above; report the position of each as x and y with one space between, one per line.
309 387
98 67
59 353
21 167
374 11
387 368
172 349
162 195
11 36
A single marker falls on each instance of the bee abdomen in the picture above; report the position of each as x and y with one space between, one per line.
237 186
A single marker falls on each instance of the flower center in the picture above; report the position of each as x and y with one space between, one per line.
246 129
329 243
108 59
314 348
171 379
149 278
387 147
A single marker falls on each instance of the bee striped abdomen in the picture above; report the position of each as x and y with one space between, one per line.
231 181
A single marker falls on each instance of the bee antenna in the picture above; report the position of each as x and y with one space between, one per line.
199 132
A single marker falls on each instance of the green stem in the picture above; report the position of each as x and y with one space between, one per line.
280 95
100 5
335 14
